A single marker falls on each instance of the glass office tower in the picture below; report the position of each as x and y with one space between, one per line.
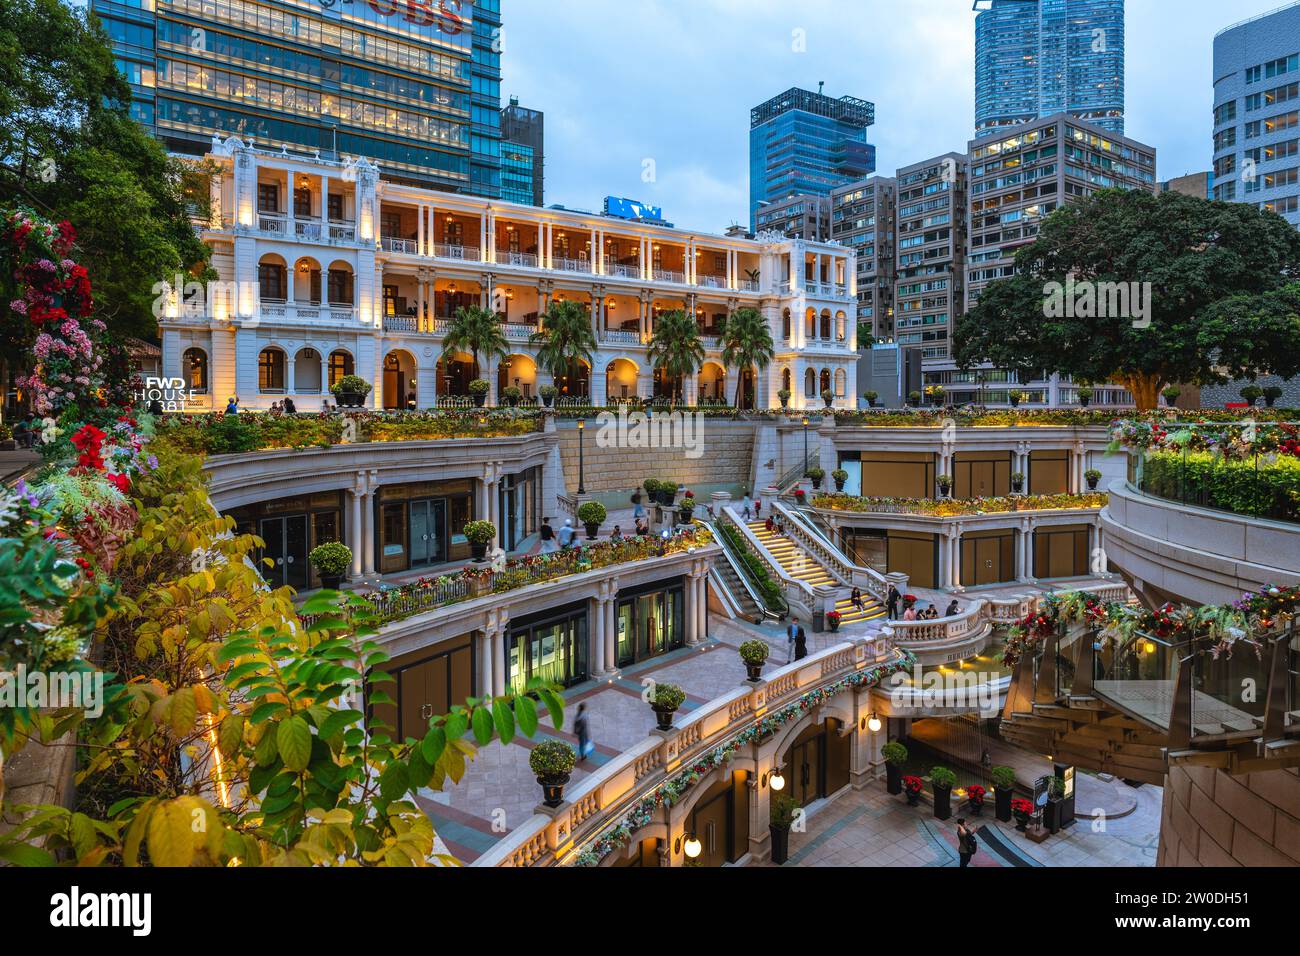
1034 58
803 143
414 85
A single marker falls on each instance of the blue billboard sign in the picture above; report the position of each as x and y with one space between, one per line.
632 209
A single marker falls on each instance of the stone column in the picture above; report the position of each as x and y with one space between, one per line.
611 630
499 661
355 528
485 663
368 523
596 639
955 555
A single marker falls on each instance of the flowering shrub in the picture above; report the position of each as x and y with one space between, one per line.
976 794
913 785
1268 488
1022 807
953 507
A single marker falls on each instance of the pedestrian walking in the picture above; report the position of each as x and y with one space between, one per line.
758 508
747 508
547 535
566 534
966 842
800 644
791 633
232 406
582 728
856 599
891 602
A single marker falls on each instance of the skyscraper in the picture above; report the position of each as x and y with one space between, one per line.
414 87
523 154
807 143
1034 58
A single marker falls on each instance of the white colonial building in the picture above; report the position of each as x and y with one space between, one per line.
327 269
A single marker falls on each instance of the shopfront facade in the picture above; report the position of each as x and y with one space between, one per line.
290 528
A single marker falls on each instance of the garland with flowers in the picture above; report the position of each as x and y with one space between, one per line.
1215 629
669 792
1268 440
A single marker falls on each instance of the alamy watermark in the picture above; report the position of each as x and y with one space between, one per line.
1075 299
675 430
63 690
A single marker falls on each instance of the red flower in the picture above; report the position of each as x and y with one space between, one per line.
912 784
975 793
1022 807
121 482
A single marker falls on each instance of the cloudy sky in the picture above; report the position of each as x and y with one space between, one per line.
626 81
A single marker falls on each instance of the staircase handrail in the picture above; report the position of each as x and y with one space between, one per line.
836 562
798 594
742 572
796 473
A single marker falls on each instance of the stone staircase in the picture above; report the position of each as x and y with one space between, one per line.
802 566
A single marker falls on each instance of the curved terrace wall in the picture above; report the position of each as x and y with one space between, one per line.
1173 551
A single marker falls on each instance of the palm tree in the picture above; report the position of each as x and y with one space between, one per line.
476 331
675 348
746 344
564 339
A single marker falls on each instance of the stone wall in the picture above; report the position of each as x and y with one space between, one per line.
1213 819
726 457
1217 396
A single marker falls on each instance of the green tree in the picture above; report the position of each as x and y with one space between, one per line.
1216 306
676 348
478 332
565 339
746 344
70 150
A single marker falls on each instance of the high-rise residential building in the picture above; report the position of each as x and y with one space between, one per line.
1200 185
415 88
796 217
804 143
931 251
523 154
1034 58
1016 181
1257 113
862 217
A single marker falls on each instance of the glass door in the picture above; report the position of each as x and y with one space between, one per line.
286 548
428 524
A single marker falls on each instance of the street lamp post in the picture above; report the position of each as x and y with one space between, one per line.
582 466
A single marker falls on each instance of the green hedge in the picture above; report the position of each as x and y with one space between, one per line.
771 592
1261 490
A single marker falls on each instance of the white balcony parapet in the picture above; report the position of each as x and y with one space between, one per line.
623 271
667 275
573 265
518 332
620 336
749 285
403 246
341 231
443 250
525 259
713 282
275 224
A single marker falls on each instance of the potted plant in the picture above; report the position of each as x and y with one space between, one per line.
1092 476
975 795
1017 397
512 395
871 397
754 654
1252 394
841 478
784 808
1055 797
943 780
800 495
912 789
1171 393
667 698
828 397
351 391
7 442
651 486
592 514
895 755
1085 395
935 394
1272 394
945 485
1022 810
478 390
1018 481
914 399
552 761
331 561
688 507
667 492
548 393
1004 784
784 396
833 620
816 475
479 534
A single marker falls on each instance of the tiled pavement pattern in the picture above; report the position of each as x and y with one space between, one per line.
873 828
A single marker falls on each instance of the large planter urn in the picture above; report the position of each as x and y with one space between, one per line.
893 779
592 529
553 788
1022 821
754 673
331 582
350 399
942 802
478 550
780 843
1052 815
1002 803
664 715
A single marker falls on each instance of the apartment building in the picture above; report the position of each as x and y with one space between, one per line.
862 218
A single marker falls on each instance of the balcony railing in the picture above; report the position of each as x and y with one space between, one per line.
622 270
516 332
712 282
668 275
525 259
620 336
401 323
407 247
572 265
749 285
444 250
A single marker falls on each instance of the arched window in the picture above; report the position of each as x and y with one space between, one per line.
841 382
825 381
272 279
826 325
340 286
270 371
810 384
194 368
306 372
340 364
785 380
812 324
785 324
